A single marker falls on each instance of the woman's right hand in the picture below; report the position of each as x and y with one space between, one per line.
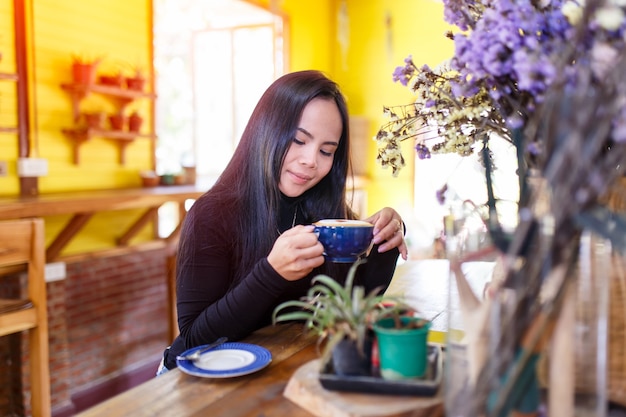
296 252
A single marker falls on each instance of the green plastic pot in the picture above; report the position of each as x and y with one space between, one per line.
403 352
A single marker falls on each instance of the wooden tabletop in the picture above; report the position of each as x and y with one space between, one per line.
262 394
43 205
259 394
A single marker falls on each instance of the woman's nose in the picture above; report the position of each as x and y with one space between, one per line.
309 158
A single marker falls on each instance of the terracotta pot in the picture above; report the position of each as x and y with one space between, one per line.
149 179
135 83
94 120
83 73
114 80
134 122
117 121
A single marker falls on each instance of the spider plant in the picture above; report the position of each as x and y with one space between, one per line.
335 312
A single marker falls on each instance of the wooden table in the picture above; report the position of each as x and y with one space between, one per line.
258 394
178 394
424 284
261 394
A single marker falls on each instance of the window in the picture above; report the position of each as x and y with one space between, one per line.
466 181
226 94
213 60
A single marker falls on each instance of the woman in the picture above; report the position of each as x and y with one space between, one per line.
247 244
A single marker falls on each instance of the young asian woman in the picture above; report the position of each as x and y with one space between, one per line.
248 244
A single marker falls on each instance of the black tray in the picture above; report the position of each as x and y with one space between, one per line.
425 386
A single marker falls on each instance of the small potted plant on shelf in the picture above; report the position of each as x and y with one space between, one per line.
113 79
137 81
84 69
93 119
92 115
149 178
135 120
117 121
342 316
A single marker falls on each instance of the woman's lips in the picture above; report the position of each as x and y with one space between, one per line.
299 178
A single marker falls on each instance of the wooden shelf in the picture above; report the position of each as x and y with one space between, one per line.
84 89
8 76
11 130
123 138
82 205
123 96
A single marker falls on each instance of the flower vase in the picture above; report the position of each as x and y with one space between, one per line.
464 234
531 346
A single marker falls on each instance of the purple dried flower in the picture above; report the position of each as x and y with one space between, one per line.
441 194
508 54
422 151
405 73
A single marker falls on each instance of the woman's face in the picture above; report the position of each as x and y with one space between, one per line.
312 151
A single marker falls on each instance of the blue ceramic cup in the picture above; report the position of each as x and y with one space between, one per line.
344 240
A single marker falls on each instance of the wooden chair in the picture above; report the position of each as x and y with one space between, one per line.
22 248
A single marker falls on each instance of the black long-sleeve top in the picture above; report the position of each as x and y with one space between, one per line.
210 306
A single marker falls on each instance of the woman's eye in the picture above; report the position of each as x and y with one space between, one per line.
298 141
326 153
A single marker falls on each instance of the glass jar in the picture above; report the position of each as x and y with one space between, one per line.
534 340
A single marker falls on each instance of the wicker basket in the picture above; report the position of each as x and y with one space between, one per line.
617 309
616 383
584 372
617 332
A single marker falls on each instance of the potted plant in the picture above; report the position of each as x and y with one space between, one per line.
114 79
342 316
135 121
117 121
84 69
137 81
92 114
402 346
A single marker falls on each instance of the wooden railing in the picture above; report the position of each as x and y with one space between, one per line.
84 204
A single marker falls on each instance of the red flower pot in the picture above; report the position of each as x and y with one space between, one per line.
117 121
83 73
116 80
94 120
134 122
135 83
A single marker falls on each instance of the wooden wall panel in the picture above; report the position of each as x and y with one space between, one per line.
119 32
8 103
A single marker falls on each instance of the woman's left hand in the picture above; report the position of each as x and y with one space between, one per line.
389 231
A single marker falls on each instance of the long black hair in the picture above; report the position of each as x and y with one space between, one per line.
248 186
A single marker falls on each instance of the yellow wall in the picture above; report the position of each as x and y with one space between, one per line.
311 34
381 34
8 109
119 32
